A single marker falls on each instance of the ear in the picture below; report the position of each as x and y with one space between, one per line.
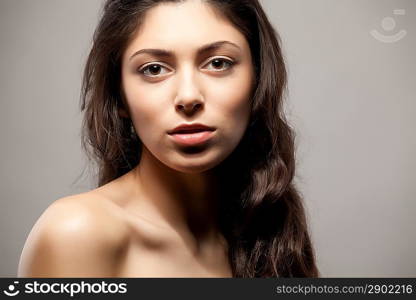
123 113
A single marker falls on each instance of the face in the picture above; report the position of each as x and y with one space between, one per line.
188 65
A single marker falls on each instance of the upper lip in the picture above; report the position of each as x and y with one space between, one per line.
189 128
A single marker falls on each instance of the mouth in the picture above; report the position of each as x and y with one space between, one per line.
191 134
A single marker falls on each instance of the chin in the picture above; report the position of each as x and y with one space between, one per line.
196 164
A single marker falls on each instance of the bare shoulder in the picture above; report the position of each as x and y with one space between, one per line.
76 236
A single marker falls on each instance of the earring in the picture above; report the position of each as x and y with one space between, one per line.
132 130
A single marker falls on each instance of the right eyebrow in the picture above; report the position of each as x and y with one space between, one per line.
201 50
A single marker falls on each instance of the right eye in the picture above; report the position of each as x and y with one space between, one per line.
152 70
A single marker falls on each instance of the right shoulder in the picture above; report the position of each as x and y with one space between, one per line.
76 236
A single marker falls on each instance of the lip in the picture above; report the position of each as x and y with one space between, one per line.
191 134
190 128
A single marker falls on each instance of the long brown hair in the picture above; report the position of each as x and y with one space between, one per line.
262 215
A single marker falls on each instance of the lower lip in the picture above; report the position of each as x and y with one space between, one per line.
192 139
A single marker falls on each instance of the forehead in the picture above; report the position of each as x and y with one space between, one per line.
184 25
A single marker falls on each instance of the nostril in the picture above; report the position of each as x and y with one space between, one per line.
196 106
189 107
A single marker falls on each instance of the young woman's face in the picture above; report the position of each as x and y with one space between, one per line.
185 84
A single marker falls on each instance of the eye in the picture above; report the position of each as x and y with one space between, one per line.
221 64
155 70
152 70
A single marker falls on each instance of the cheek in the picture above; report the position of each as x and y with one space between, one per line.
146 107
234 103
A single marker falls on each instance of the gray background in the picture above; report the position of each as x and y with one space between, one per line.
351 99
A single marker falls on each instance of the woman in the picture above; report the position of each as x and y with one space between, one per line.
183 115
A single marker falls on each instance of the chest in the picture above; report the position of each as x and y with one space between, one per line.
138 261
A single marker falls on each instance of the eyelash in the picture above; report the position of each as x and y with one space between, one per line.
229 62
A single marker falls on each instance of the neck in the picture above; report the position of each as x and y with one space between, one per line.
186 202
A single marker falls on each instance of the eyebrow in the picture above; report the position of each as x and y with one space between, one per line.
201 50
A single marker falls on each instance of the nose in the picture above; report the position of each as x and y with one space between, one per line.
189 108
189 99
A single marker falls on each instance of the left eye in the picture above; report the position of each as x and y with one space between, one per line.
219 63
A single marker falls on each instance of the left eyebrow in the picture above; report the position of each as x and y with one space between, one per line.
201 50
